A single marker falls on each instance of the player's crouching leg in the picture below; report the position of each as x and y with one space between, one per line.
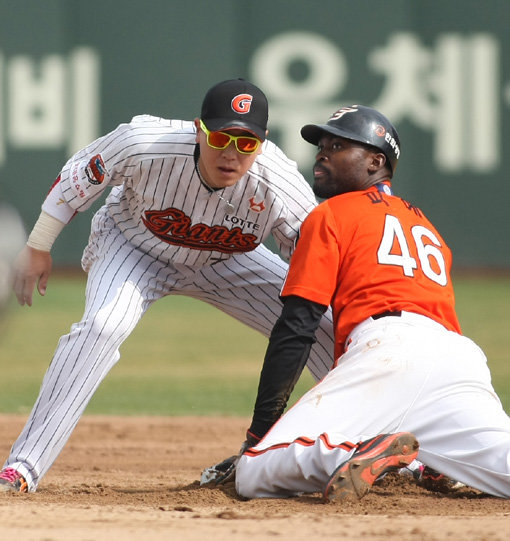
253 480
278 473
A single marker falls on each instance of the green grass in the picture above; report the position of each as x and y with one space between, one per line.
483 308
186 358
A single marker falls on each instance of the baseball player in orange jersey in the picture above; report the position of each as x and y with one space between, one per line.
406 384
189 207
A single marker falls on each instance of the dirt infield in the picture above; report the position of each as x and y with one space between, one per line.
137 478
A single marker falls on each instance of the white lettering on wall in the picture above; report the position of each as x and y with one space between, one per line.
295 103
52 103
451 89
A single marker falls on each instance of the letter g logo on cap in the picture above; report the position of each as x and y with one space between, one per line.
241 103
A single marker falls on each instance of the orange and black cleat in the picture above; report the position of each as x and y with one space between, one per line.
372 459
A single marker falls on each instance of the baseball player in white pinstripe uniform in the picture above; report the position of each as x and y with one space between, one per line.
189 207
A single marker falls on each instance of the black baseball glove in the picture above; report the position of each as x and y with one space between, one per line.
224 471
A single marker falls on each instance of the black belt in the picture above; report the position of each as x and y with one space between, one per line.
396 313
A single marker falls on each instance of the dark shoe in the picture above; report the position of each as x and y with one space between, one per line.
372 459
434 481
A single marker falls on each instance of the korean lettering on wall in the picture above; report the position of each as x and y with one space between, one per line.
451 89
50 103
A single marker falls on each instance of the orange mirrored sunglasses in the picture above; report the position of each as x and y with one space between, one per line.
220 140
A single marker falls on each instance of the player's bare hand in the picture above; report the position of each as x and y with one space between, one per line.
32 267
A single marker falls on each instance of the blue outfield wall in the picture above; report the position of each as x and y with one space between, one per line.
71 71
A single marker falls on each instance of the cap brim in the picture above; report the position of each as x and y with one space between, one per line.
220 124
313 132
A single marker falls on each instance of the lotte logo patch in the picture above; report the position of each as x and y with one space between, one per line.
242 103
257 207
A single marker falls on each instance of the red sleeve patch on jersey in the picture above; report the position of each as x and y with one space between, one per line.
95 170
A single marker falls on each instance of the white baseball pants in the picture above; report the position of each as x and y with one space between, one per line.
399 374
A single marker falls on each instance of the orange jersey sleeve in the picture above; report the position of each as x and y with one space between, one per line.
369 252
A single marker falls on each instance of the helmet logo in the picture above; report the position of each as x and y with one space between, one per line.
380 130
242 103
341 112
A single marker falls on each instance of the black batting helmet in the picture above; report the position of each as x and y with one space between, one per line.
362 124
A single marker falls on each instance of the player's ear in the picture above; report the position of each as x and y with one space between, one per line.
259 151
378 161
197 127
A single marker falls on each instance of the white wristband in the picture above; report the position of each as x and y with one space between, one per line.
45 231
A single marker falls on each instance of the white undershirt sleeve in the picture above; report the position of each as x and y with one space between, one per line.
55 205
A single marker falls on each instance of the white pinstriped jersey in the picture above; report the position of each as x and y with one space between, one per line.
161 206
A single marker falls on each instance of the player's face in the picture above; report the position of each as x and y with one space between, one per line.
341 166
222 168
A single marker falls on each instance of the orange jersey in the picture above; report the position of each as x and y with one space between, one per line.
368 252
